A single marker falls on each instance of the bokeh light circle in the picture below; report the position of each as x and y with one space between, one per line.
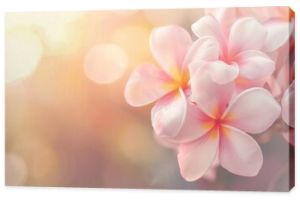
23 52
57 30
105 63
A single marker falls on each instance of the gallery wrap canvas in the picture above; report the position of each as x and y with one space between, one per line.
193 99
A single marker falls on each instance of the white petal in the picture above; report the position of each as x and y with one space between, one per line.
146 84
255 64
203 49
168 114
211 97
207 26
197 157
222 73
195 125
253 110
278 34
169 45
246 34
239 153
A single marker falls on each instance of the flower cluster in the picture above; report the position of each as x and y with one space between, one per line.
211 93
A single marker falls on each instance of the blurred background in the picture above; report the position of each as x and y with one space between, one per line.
67 123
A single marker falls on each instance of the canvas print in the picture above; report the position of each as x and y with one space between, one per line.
197 99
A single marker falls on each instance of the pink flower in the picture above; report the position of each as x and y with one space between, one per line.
279 22
275 19
282 86
284 72
198 110
238 54
217 124
166 84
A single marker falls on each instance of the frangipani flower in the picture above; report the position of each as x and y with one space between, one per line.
278 21
283 89
275 18
238 55
166 84
284 72
217 127
207 95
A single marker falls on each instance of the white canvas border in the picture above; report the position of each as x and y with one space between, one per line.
80 193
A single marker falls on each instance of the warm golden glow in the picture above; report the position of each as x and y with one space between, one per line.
105 63
134 39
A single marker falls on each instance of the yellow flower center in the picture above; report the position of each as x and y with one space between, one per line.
179 79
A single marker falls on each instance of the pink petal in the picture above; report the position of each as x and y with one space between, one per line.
195 66
146 84
222 73
253 110
239 153
197 157
282 55
225 15
169 45
203 49
278 34
209 26
195 125
246 34
288 105
255 64
211 173
168 114
211 97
